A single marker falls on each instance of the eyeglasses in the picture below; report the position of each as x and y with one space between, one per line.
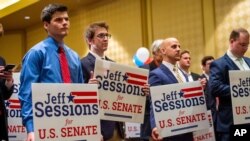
103 35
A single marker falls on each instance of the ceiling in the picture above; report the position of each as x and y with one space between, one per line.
15 19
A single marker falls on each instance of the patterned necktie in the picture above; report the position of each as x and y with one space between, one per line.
64 66
178 76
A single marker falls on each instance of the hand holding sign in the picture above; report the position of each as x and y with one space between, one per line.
92 79
30 136
155 135
146 89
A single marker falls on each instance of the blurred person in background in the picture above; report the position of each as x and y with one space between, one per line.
6 90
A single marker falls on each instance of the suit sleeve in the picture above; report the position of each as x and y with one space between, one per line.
218 80
85 72
154 80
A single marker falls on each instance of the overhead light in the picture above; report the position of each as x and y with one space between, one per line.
26 17
6 3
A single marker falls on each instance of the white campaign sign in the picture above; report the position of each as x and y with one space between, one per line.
66 112
122 97
206 134
17 132
132 130
179 108
240 94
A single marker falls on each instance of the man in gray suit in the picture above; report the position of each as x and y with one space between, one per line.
219 79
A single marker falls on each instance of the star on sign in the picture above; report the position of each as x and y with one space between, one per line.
181 93
71 98
125 77
7 103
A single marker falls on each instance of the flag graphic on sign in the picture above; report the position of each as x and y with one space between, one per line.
136 79
13 104
191 92
87 97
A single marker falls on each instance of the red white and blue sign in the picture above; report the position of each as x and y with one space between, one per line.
179 108
66 112
122 93
240 94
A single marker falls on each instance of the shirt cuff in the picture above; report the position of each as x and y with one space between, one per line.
29 126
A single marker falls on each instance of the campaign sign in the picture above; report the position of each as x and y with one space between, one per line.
132 130
240 94
122 96
206 134
179 108
66 112
16 130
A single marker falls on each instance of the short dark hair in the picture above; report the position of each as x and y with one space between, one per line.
236 33
49 10
205 59
184 51
91 29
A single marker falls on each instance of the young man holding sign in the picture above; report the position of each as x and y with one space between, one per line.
50 61
97 38
219 79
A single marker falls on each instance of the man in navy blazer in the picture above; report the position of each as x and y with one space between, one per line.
155 63
97 38
219 79
163 75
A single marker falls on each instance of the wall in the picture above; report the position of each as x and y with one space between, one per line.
202 26
229 15
11 47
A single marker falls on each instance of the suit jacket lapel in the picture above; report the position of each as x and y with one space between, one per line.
168 73
231 63
91 59
247 60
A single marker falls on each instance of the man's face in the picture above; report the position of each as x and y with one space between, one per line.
171 50
206 67
240 45
185 60
100 40
59 25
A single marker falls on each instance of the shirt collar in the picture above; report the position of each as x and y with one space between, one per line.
55 43
168 65
96 56
231 56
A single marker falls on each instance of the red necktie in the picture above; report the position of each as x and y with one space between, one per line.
64 66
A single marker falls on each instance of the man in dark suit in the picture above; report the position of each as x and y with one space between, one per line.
97 37
219 79
6 90
184 64
163 75
211 101
155 63
205 64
